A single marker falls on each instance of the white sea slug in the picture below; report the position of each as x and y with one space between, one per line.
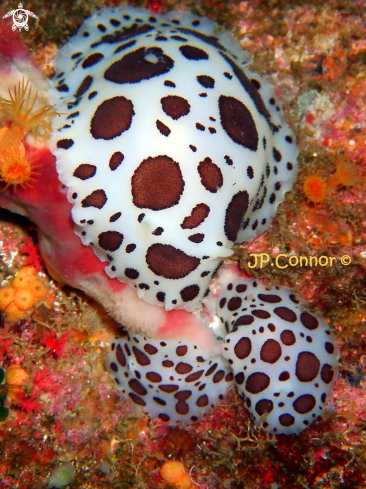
284 358
171 151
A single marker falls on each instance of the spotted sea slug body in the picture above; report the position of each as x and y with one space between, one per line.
283 357
171 152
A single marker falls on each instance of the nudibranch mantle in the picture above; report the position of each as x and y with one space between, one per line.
171 149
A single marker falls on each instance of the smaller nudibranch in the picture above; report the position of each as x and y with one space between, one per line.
19 109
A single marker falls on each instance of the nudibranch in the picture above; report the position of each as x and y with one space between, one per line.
184 151
169 150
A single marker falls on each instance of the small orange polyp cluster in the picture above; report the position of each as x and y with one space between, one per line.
345 174
24 292
15 169
175 474
315 189
19 110
15 377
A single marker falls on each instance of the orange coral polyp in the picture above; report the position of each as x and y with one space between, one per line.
6 297
24 299
24 292
16 378
315 189
174 473
15 169
345 174
19 109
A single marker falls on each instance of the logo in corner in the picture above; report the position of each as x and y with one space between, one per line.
20 17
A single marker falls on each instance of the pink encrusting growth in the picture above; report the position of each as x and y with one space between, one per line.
12 48
51 212
167 152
